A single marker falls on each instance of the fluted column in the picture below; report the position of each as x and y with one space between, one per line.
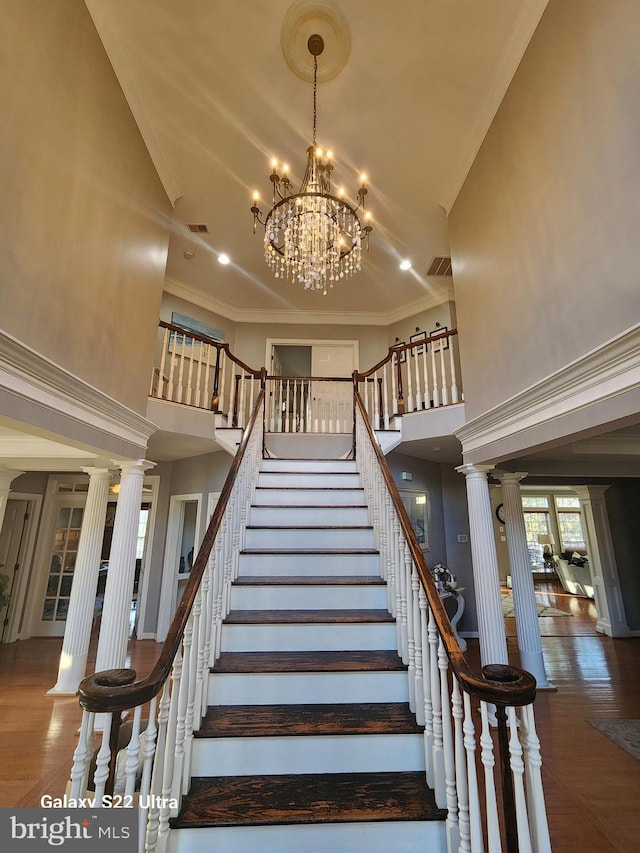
7 476
524 599
77 631
493 641
612 619
114 626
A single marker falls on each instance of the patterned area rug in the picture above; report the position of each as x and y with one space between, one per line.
543 609
625 733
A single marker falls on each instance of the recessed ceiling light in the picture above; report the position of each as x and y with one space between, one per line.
405 265
188 256
224 259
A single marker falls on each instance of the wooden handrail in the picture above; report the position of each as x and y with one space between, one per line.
403 348
312 378
220 345
117 689
500 684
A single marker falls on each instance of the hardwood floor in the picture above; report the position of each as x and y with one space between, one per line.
591 784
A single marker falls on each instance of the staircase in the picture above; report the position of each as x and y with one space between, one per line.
308 743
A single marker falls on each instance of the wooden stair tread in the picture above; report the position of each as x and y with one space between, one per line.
310 526
306 617
288 720
312 488
309 580
307 798
343 661
306 551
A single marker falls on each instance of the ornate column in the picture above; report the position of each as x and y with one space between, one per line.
612 619
493 641
114 627
7 476
527 624
77 632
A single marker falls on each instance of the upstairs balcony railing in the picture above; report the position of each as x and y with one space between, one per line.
197 371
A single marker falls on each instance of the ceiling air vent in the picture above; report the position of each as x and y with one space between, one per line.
440 266
198 229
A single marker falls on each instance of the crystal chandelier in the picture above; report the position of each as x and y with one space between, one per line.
313 237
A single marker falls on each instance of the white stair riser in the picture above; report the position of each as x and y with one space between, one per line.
309 497
282 565
308 638
375 837
306 688
313 481
308 538
322 466
316 516
308 597
248 756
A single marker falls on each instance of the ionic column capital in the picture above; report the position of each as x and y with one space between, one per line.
475 472
509 477
134 466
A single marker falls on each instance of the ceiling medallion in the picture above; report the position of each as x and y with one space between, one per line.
311 236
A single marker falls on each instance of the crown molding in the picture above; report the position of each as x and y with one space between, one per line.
33 378
599 376
108 32
521 34
300 317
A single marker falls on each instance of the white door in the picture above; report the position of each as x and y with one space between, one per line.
332 402
12 542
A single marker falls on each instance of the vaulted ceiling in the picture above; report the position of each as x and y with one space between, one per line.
215 99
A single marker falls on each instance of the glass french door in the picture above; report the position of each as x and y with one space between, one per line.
60 565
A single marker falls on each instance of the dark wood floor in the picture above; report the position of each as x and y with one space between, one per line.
592 786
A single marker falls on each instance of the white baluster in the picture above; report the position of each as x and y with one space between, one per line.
232 393
163 358
417 639
443 373
385 395
394 382
172 368
194 658
462 787
408 610
435 393
169 754
190 374
132 762
452 366
535 794
242 419
453 831
475 816
409 388
439 786
426 680
148 753
416 365
425 376
517 774
204 351
181 369
153 819
488 763
82 757
296 423
102 761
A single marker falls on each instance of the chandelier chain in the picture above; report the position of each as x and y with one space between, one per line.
315 93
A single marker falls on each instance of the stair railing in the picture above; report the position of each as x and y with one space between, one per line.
194 370
168 705
309 404
446 695
411 378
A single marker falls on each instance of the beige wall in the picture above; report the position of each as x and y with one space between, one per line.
83 233
544 234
